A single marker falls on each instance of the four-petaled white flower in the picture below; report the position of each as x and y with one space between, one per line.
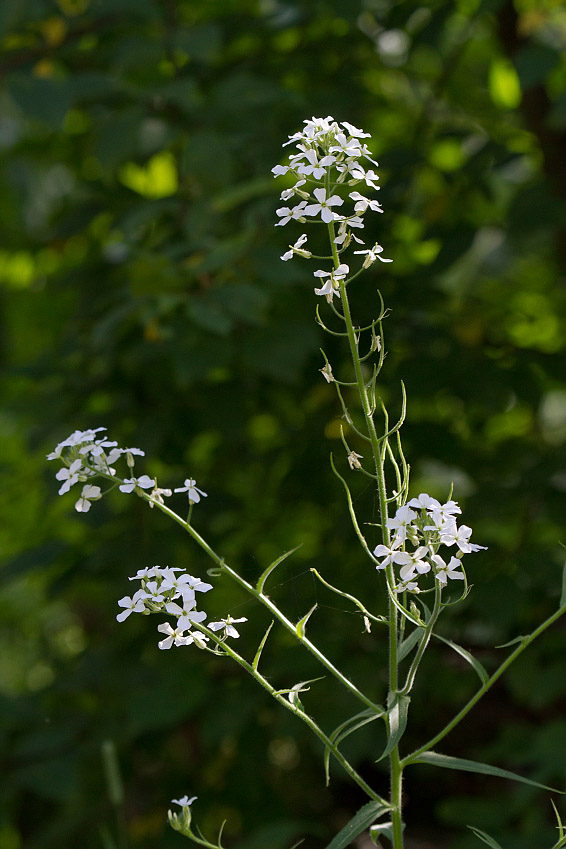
362 204
174 636
286 214
227 625
186 615
323 205
193 492
444 570
143 482
297 248
461 537
372 254
332 286
70 475
401 521
135 604
89 493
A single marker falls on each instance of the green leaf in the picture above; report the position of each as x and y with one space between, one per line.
345 729
302 623
521 638
397 723
255 663
381 829
485 837
436 759
563 596
293 692
267 572
409 644
477 666
362 820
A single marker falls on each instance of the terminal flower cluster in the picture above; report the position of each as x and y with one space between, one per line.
330 156
426 525
87 454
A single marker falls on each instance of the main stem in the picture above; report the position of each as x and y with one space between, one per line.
378 450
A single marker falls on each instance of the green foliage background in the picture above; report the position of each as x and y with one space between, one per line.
141 289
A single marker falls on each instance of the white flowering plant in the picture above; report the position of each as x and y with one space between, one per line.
420 559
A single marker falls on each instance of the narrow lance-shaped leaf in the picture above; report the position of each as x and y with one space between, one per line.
267 572
485 838
468 657
345 729
409 643
397 723
449 762
362 820
260 647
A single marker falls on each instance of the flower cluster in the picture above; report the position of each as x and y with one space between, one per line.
85 456
426 525
164 591
328 157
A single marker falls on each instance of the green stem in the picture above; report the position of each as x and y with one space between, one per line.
424 641
378 451
488 684
266 602
326 741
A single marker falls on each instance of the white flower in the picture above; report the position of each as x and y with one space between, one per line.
372 254
348 146
358 173
70 475
286 214
332 285
130 484
323 205
145 574
186 615
415 563
135 604
297 249
192 490
158 495
89 493
407 586
401 522
184 584
424 502
362 203
174 636
447 570
227 625
78 437
355 132
391 555
185 802
461 537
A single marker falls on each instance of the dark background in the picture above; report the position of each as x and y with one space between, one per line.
141 289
